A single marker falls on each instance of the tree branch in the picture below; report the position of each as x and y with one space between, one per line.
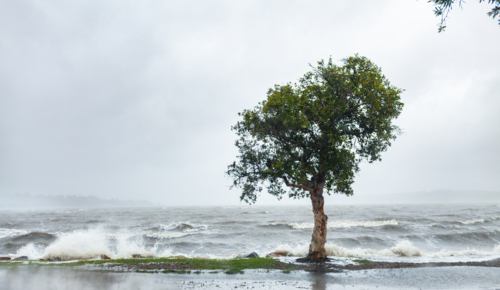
296 185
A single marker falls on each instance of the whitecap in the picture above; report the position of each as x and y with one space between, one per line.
92 244
168 235
183 226
346 224
402 248
5 233
468 222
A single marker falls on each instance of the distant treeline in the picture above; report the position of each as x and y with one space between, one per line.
48 201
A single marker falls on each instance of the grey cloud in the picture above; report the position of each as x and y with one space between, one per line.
135 100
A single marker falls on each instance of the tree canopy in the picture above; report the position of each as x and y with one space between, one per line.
443 8
317 131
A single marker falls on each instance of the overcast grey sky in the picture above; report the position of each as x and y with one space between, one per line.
135 100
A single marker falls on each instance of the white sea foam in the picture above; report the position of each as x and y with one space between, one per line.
91 244
468 222
339 224
401 249
277 224
184 226
168 235
4 233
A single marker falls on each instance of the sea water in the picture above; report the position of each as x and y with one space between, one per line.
414 233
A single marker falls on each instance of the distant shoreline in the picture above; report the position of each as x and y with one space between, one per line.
28 201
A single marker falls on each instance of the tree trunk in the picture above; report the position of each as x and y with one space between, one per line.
317 248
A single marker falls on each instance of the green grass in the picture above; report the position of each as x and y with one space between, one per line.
197 263
233 271
182 265
182 272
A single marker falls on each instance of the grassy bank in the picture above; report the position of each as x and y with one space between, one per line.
187 265
175 265
238 265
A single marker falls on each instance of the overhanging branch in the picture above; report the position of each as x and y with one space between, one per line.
296 185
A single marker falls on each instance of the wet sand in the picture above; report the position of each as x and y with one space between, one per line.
57 278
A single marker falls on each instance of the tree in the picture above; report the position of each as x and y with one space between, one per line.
443 7
308 138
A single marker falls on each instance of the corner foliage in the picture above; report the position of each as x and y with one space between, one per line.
443 7
316 131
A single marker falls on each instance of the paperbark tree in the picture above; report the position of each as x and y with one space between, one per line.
308 138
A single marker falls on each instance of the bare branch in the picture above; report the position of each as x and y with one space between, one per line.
296 185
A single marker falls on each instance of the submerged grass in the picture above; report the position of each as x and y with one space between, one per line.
180 265
199 263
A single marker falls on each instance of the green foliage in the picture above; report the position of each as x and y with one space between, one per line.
314 133
182 263
234 271
181 272
443 7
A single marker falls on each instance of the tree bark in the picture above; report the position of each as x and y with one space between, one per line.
317 248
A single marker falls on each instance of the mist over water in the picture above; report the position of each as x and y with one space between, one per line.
409 232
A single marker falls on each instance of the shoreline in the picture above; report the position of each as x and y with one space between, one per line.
133 274
238 265
328 267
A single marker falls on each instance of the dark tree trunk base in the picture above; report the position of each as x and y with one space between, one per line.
309 259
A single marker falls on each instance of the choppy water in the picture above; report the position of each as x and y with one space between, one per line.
416 233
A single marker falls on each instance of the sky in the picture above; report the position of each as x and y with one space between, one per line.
136 99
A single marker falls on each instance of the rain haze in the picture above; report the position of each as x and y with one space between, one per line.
135 100
115 140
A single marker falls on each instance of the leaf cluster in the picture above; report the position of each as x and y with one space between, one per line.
313 134
443 7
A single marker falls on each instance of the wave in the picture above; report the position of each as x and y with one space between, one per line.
183 226
474 221
5 233
168 235
235 222
92 244
34 237
483 236
337 224
400 249
468 222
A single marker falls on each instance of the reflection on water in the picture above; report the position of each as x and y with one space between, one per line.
45 278
319 282
24 277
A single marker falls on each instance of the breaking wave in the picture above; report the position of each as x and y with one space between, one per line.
468 222
92 244
337 224
5 233
168 235
183 226
401 249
